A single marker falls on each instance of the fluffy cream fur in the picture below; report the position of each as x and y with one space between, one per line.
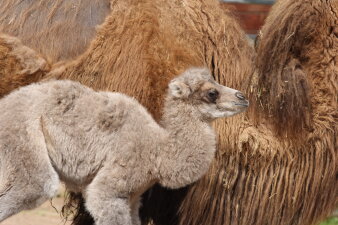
106 145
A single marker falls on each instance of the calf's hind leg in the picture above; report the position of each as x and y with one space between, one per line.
23 194
25 184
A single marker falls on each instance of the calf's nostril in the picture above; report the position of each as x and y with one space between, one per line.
239 95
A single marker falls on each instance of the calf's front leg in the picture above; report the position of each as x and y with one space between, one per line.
135 217
106 204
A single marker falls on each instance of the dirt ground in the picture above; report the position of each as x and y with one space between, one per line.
47 214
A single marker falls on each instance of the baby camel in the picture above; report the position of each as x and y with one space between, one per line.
106 145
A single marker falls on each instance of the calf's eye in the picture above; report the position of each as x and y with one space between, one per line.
212 95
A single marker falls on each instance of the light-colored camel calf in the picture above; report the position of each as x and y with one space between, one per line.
106 145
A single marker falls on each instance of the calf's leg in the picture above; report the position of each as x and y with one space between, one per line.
107 202
27 179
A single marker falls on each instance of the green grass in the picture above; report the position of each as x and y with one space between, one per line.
331 221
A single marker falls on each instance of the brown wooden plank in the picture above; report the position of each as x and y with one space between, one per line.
251 16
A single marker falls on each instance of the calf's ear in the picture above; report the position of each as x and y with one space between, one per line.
179 89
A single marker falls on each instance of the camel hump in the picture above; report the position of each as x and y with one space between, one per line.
19 64
29 60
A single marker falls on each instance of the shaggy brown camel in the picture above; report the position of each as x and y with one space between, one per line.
295 91
259 176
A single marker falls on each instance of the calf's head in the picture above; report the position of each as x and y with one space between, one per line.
197 87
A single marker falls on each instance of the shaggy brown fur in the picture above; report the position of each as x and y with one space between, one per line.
294 93
258 177
19 65
166 47
58 29
297 52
